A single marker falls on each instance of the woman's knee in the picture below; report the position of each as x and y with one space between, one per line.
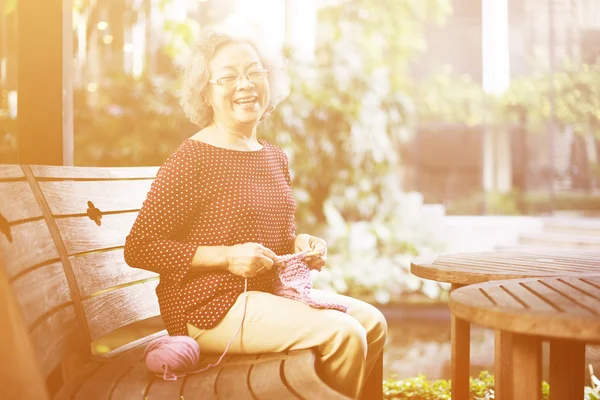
371 319
379 325
347 334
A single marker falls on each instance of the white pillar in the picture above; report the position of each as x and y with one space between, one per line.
496 78
495 52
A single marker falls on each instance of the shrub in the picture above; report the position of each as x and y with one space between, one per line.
419 388
531 203
481 388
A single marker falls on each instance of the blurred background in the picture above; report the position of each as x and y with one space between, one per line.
413 127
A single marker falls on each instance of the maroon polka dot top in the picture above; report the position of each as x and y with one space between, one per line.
210 196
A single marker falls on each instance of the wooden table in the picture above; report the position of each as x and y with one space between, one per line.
472 268
563 310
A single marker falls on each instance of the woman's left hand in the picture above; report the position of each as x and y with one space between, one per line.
316 247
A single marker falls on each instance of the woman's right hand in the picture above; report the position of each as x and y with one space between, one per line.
250 259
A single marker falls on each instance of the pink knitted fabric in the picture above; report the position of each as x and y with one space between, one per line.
294 283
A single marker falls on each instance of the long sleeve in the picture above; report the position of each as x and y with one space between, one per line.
155 241
292 224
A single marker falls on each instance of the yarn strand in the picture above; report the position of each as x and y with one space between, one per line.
173 357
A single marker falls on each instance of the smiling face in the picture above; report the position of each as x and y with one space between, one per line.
240 102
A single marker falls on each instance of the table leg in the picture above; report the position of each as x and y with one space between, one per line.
526 367
460 334
502 365
567 369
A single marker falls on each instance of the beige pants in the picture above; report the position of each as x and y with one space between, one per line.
347 344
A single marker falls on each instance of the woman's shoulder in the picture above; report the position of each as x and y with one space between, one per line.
188 149
273 148
185 157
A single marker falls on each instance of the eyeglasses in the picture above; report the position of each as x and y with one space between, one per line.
253 75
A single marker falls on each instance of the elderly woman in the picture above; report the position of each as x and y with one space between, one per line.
219 216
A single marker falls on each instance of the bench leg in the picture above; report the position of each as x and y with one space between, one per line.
502 364
373 387
567 369
460 334
527 367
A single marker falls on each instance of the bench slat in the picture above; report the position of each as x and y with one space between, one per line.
31 245
233 379
131 371
60 172
201 386
265 380
20 375
133 351
134 383
299 372
10 171
161 389
120 307
71 197
17 201
56 338
41 291
68 390
82 235
102 382
99 271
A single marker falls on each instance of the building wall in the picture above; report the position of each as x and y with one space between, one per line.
457 44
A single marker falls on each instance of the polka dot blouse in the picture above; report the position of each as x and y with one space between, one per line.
210 196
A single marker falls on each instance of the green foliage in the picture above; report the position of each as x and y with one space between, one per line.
348 112
370 259
448 98
515 203
454 99
385 34
592 392
577 99
129 122
419 388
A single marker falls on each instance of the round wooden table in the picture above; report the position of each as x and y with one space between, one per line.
563 310
473 268
469 268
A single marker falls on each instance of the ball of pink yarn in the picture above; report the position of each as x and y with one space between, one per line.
172 356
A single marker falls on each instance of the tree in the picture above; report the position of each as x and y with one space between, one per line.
348 110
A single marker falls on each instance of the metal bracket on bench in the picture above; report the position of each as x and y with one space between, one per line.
94 213
5 228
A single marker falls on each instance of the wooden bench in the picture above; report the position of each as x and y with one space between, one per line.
563 310
62 231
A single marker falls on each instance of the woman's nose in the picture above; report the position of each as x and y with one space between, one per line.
243 82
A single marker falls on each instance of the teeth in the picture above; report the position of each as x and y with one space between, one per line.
246 100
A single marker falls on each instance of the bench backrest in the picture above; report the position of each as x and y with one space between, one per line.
62 233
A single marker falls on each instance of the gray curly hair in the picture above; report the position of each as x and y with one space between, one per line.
196 73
